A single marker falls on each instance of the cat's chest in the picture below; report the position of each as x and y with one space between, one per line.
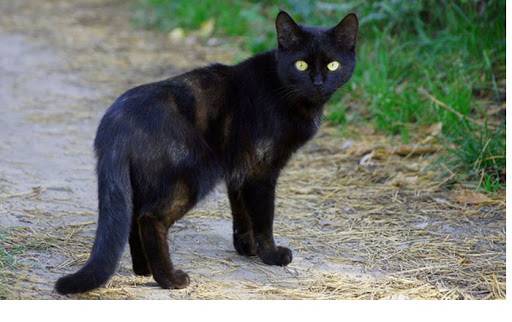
262 152
275 147
299 131
256 159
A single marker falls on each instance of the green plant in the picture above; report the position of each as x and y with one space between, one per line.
479 153
7 262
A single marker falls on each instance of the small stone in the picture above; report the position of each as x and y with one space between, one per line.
176 35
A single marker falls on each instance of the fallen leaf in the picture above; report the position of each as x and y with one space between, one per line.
435 129
468 197
176 35
414 150
433 132
206 28
347 144
400 180
366 159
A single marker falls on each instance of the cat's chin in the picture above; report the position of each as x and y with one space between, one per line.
318 98
308 101
312 96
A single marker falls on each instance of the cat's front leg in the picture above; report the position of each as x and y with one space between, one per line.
258 199
243 236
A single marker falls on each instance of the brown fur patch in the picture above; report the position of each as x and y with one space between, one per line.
226 131
171 102
209 93
202 108
179 203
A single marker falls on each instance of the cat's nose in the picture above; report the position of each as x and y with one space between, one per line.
318 81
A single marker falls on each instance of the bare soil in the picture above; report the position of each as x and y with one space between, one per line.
366 217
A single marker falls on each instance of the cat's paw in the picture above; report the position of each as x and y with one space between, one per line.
280 256
180 279
244 244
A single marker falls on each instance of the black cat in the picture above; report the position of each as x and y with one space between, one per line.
163 146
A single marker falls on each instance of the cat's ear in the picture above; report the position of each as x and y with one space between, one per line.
345 33
288 32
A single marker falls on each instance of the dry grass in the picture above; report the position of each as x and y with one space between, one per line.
393 216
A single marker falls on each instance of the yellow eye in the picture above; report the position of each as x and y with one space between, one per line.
301 65
332 66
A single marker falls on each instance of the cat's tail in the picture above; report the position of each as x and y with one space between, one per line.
115 213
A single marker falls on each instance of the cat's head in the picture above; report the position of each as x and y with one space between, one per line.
314 62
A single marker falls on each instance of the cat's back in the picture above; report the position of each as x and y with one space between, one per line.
192 97
202 94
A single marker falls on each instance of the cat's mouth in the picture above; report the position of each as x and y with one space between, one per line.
313 94
321 94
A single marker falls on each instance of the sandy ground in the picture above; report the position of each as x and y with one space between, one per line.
364 218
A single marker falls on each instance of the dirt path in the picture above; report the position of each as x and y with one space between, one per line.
383 229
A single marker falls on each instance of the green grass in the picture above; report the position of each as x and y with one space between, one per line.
419 63
479 153
8 262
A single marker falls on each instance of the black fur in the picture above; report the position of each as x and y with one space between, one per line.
161 147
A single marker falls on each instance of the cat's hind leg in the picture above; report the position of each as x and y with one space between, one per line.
139 262
154 229
154 235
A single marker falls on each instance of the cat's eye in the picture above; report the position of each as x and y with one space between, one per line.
301 65
332 66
